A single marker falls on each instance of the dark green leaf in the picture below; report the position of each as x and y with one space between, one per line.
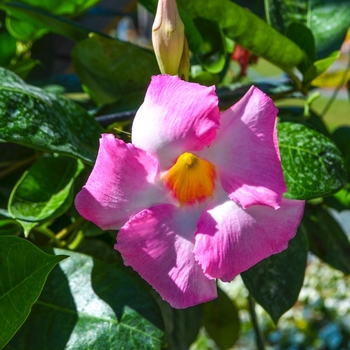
275 282
45 190
295 114
181 325
9 227
312 164
220 319
212 55
111 69
281 13
327 240
27 22
248 30
328 20
34 118
341 137
329 23
23 270
8 48
88 304
303 37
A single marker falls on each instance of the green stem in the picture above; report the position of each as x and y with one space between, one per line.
258 336
296 80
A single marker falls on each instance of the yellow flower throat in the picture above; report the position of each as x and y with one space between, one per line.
191 179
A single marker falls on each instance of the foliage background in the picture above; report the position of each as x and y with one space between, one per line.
53 108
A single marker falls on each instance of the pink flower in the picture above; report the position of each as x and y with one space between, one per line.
196 195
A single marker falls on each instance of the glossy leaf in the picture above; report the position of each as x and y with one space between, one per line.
275 282
327 240
328 20
221 321
238 24
88 304
111 69
212 55
45 190
23 270
30 19
312 164
32 117
320 66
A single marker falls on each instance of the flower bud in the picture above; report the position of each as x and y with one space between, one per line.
168 37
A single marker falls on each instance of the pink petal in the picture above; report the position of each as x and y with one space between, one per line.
158 244
175 117
245 152
124 181
230 239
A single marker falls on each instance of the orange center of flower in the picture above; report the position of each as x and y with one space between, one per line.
191 179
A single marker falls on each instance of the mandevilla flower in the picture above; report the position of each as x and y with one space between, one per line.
197 195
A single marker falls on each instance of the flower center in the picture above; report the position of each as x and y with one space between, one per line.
191 179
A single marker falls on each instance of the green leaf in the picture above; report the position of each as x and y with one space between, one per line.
247 30
328 20
281 13
327 240
29 20
32 117
275 282
8 48
88 304
295 114
319 67
46 190
312 164
212 55
181 325
111 69
221 321
23 270
303 37
9 227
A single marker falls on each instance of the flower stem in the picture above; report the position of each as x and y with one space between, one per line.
258 336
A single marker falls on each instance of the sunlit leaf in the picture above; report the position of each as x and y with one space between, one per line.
48 122
23 270
312 164
88 304
30 19
45 190
247 30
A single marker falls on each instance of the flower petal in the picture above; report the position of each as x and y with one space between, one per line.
176 116
230 239
245 152
158 244
122 183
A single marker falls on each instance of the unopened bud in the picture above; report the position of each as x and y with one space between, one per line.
184 67
168 37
